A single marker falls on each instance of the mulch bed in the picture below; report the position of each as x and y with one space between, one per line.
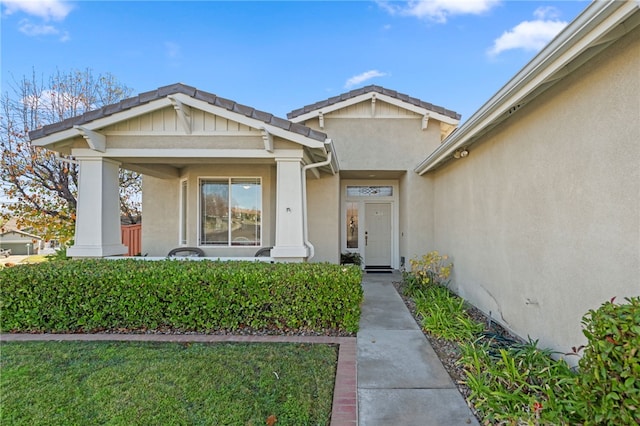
449 351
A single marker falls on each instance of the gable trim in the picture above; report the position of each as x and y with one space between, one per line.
373 96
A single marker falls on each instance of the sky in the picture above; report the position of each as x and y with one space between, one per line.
280 56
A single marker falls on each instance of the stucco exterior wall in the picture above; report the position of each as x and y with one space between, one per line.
161 207
161 223
381 143
323 207
416 216
541 219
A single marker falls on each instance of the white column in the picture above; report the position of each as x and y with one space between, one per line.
98 210
289 210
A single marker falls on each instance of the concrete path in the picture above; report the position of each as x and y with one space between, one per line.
401 381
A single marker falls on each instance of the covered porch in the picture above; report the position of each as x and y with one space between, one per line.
217 175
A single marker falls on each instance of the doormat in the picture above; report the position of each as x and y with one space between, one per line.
378 269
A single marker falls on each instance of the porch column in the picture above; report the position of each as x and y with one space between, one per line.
98 210
289 245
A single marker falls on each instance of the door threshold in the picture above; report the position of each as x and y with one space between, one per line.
378 269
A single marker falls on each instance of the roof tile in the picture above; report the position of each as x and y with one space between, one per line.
224 103
146 97
205 96
280 122
243 109
261 115
92 115
175 88
130 102
314 134
300 129
112 109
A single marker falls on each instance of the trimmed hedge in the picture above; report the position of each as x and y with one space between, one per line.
609 383
129 294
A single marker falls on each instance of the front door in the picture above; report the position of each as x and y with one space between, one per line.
377 234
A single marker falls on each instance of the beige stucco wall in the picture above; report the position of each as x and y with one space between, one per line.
323 206
161 220
542 218
161 207
416 216
381 143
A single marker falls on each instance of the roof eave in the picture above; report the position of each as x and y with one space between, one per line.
368 96
588 30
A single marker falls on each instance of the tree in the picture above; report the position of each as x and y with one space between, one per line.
40 187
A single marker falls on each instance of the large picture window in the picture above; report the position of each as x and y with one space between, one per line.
230 212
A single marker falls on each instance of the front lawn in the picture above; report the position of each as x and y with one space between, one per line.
142 383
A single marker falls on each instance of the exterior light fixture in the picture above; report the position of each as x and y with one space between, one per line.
460 153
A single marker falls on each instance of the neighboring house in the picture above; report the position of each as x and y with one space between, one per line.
536 197
19 241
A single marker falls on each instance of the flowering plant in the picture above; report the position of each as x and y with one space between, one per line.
431 268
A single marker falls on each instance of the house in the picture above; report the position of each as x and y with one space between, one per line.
535 197
20 242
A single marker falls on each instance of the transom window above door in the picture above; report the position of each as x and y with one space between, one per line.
370 191
230 212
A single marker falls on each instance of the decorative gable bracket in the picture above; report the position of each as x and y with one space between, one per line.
184 113
425 121
267 138
96 141
373 105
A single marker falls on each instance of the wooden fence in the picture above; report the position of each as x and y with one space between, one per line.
132 238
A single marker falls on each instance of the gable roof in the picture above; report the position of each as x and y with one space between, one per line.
173 89
357 95
601 24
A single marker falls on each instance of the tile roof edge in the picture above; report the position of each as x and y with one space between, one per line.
162 92
370 89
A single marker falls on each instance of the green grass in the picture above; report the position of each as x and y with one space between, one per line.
142 383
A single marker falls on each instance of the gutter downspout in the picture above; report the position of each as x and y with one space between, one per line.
305 222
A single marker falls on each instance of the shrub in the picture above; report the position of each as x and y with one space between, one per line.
130 294
428 269
609 383
444 314
350 258
519 384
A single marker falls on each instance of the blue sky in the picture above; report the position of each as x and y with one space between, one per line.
279 56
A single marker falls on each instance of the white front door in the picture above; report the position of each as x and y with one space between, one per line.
377 234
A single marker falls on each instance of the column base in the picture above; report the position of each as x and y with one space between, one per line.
96 251
289 253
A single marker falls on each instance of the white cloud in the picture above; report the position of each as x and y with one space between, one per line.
361 78
546 12
527 35
34 30
44 11
48 10
438 10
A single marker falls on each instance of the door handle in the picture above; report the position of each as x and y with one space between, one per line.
366 238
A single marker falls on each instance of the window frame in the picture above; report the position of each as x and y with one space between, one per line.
230 182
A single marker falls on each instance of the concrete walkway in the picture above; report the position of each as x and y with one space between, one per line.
401 380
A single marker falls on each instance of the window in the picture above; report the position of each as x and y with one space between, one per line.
352 225
369 191
183 212
230 212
